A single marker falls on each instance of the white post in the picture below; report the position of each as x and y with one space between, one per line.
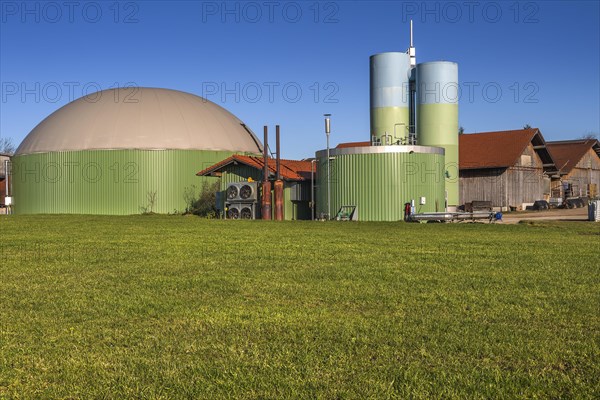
327 132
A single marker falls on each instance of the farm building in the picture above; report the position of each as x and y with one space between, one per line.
579 165
134 150
296 176
131 150
122 151
511 169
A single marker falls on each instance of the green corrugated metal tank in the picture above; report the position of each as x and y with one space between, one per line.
112 151
389 75
379 180
437 116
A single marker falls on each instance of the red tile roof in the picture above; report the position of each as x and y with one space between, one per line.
352 144
291 170
499 149
568 153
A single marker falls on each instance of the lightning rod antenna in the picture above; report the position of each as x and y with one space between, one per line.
411 50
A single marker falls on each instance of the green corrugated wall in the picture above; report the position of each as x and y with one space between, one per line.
380 183
108 181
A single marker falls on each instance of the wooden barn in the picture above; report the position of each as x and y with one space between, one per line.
579 164
510 169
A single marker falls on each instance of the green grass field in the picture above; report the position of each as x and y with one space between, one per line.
179 307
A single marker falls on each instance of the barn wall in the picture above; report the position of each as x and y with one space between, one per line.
2 190
524 182
587 171
2 178
525 185
482 184
2 160
529 152
3 183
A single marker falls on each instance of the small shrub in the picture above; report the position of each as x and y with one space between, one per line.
204 203
149 208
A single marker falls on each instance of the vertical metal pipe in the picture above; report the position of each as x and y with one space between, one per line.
312 189
9 175
266 200
412 108
6 177
278 181
266 185
7 186
266 154
278 150
279 200
327 132
328 183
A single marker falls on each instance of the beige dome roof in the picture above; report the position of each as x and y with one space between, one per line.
140 118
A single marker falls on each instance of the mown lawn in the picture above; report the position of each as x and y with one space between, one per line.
179 307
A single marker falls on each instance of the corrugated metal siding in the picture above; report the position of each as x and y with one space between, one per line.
289 209
300 191
295 210
107 181
239 173
380 184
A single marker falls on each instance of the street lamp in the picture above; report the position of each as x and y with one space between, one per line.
327 132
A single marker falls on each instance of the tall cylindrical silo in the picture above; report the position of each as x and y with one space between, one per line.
389 97
437 116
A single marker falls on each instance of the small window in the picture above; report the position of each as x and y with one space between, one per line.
526 161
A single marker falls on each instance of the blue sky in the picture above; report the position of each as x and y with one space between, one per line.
289 62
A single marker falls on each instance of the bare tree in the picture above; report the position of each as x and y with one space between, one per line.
461 130
589 135
151 197
527 126
7 146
